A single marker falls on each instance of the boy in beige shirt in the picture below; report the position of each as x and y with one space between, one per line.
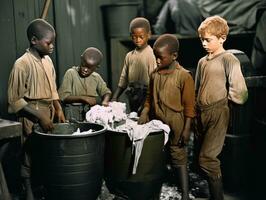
138 65
32 92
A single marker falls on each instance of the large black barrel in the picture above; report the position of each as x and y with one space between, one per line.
235 159
70 166
117 18
258 143
146 183
245 142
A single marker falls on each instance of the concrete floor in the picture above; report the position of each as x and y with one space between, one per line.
167 193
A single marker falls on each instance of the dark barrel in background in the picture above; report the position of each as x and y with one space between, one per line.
117 17
235 155
70 167
257 165
146 183
244 139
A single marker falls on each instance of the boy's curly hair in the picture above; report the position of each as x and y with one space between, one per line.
92 53
168 40
140 22
214 25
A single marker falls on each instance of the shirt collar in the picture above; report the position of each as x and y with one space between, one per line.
170 69
33 56
219 54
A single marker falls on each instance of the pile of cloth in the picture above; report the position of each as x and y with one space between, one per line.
137 133
107 115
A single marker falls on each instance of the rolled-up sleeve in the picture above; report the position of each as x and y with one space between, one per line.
65 89
102 88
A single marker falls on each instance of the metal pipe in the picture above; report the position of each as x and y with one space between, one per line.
45 9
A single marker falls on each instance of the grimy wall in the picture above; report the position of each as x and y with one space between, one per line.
78 24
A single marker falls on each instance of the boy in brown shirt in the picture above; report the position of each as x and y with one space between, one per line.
218 79
171 99
32 92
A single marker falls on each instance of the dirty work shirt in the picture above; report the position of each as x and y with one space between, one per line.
171 90
74 85
217 80
32 82
170 98
212 75
138 65
31 79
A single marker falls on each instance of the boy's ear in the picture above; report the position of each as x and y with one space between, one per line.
175 55
149 34
33 40
222 38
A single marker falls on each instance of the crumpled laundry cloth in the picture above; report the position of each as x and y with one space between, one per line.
77 132
107 115
137 134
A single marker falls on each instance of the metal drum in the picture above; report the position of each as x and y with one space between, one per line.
70 166
146 183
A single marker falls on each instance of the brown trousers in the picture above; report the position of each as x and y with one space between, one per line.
175 120
211 126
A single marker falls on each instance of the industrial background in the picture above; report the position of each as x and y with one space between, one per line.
83 23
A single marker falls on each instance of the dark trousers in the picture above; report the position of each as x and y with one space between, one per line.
136 94
76 111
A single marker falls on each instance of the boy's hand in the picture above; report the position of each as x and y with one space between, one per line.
184 138
60 117
105 103
59 114
46 123
143 119
106 99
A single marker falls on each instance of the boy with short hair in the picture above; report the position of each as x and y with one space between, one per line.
82 85
218 79
138 65
32 92
171 99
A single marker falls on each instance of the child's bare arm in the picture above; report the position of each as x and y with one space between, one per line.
106 99
36 116
117 93
144 116
59 114
184 138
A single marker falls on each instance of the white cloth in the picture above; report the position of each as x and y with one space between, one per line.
106 116
83 132
115 112
137 134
